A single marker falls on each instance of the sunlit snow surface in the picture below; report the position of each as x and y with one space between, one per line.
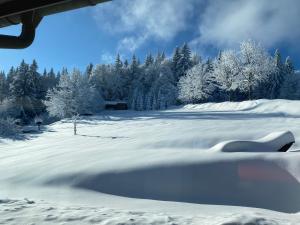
120 160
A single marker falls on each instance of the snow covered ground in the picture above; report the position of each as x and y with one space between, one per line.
156 167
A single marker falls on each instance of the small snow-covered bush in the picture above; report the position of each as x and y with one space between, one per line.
8 128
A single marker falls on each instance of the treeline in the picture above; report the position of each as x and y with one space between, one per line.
250 73
156 83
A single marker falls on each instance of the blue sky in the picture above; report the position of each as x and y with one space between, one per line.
96 34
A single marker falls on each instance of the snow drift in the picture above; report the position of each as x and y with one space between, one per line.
274 142
277 107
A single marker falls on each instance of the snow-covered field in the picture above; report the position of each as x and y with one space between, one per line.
159 167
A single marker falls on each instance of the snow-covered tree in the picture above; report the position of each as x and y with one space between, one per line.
257 65
164 91
226 70
194 86
60 101
73 95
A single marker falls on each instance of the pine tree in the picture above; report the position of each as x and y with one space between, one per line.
126 64
119 79
118 63
209 65
35 76
163 56
175 63
291 84
160 57
52 81
149 60
185 62
276 78
89 70
290 87
22 90
37 94
219 55
196 59
10 76
289 66
134 68
3 87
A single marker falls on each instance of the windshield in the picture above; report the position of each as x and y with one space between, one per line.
152 112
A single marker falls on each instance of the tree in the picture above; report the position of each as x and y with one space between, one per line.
194 86
51 79
37 94
23 89
118 76
137 100
118 63
3 87
149 60
134 68
74 95
226 70
10 75
163 92
175 63
89 70
290 87
126 64
196 59
160 57
291 84
257 66
60 102
276 78
289 66
185 60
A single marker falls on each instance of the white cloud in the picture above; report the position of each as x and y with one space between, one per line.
141 20
131 43
219 23
107 58
271 22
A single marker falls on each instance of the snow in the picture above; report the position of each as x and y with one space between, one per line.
156 167
273 142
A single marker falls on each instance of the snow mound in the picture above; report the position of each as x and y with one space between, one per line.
223 106
277 107
41 212
274 142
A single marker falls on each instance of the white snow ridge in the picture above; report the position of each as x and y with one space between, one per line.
274 142
177 166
